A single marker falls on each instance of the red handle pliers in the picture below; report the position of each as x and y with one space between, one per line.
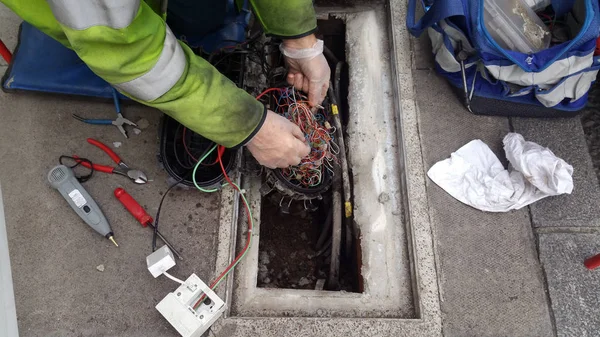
136 176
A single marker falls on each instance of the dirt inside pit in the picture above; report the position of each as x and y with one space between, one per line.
287 249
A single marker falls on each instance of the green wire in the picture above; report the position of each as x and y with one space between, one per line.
249 245
196 168
245 252
245 202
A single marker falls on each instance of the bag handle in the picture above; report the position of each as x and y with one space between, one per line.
440 10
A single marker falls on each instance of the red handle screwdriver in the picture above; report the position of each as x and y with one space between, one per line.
592 262
140 214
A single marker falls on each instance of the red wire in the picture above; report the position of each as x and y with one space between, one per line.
185 146
190 154
267 91
220 151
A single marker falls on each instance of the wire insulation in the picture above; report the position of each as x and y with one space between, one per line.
173 278
318 132
245 250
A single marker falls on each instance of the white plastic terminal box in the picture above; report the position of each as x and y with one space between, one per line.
177 308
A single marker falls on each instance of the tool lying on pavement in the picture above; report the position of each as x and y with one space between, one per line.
117 122
136 176
141 215
63 179
592 262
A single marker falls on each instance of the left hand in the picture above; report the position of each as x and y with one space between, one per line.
308 69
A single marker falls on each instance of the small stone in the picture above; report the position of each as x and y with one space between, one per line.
303 236
143 123
117 144
263 257
383 198
100 268
266 280
263 269
137 131
303 282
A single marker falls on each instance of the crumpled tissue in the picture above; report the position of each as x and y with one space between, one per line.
476 177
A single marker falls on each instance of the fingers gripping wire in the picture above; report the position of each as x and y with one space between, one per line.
318 133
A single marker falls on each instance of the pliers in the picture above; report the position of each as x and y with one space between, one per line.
136 176
117 122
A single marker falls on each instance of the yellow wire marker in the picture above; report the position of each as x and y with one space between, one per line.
348 207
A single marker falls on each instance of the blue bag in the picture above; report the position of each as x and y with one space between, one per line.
553 82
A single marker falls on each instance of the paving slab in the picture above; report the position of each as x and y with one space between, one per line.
58 290
566 139
422 56
573 288
490 278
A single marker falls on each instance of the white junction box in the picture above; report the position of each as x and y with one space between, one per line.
177 307
160 261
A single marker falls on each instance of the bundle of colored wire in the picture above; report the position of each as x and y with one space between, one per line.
318 132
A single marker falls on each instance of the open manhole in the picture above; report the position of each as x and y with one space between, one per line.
298 244
287 271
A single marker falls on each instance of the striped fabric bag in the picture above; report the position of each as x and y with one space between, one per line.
553 82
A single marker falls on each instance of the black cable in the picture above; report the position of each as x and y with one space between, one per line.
337 80
157 217
155 234
329 55
325 229
175 150
78 161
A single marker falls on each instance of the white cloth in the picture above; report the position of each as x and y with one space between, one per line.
475 176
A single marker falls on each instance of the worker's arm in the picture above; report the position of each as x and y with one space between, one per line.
295 22
131 47
289 19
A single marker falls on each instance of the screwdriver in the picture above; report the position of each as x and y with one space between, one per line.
140 214
63 179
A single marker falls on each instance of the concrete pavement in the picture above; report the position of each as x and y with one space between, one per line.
513 274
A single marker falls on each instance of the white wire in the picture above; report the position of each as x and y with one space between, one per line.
173 278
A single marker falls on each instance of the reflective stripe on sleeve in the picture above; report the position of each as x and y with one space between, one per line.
83 14
162 77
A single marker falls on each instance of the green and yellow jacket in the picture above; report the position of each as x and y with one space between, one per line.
128 44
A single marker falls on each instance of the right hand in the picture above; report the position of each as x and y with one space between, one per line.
279 143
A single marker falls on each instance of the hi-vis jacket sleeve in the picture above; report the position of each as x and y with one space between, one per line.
285 18
130 46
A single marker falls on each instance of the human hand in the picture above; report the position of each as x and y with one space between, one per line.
279 143
308 69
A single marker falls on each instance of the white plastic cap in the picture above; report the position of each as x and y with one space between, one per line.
160 261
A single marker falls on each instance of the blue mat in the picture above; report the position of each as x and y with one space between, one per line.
42 64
